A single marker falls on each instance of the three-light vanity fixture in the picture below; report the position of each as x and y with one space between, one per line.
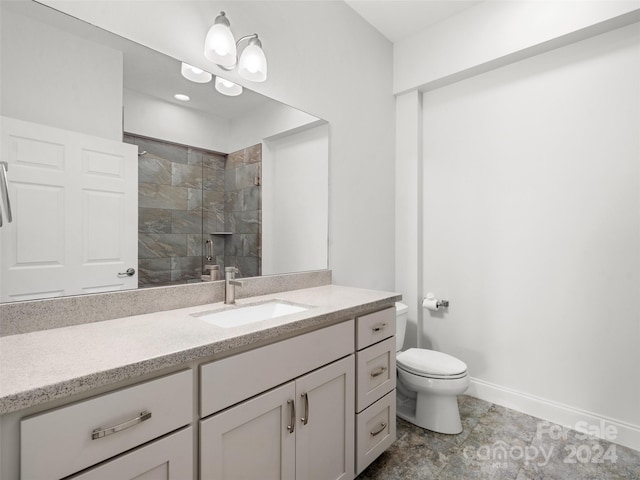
221 48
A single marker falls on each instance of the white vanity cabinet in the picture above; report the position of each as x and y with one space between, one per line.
170 458
64 441
303 429
375 385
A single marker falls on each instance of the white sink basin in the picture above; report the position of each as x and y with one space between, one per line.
244 315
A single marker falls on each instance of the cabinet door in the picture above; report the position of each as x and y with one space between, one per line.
325 427
170 458
254 440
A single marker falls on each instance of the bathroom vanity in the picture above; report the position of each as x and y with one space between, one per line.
170 395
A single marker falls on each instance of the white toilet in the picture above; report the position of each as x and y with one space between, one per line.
428 384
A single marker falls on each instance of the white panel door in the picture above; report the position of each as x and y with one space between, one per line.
325 428
251 441
74 199
168 459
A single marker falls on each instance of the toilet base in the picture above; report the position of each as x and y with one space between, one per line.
438 413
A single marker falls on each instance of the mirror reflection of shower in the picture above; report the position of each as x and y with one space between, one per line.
198 211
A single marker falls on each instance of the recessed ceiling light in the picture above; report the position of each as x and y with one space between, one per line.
181 97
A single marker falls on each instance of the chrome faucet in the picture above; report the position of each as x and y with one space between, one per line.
230 284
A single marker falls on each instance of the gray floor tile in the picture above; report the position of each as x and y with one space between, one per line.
498 443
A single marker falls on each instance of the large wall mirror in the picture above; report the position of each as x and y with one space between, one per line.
115 184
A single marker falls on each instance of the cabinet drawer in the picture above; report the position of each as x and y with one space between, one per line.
170 458
57 443
375 326
376 372
375 430
228 381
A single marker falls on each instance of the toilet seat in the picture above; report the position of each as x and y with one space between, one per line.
431 364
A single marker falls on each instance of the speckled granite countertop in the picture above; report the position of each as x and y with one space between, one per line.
45 365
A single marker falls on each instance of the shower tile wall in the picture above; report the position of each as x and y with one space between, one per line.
172 182
243 210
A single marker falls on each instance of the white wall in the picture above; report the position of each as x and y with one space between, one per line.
269 119
295 201
61 82
151 117
343 77
492 34
531 212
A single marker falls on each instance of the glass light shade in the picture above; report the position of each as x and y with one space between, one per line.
253 64
195 74
220 46
182 97
228 88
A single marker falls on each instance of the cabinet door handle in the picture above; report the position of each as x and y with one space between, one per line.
292 417
305 419
377 328
378 371
103 432
380 430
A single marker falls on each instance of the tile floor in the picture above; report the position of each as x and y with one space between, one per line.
501 444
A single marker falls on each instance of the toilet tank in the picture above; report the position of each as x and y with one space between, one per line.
402 311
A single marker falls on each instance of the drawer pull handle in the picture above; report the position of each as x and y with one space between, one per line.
103 432
292 418
378 371
380 430
305 419
377 328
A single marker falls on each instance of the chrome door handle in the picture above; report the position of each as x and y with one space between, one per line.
378 371
380 430
305 419
377 328
4 190
292 418
129 273
103 432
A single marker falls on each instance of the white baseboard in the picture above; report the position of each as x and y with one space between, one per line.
616 431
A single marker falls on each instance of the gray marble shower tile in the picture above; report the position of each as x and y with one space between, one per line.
250 245
153 245
213 180
194 157
194 199
213 202
166 151
234 160
230 180
186 176
154 170
253 154
233 201
195 245
252 198
246 175
213 222
214 161
246 222
154 220
234 246
248 266
154 271
162 196
185 268
186 221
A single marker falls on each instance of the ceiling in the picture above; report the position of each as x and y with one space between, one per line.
399 19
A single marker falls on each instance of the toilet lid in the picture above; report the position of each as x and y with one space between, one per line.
430 362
